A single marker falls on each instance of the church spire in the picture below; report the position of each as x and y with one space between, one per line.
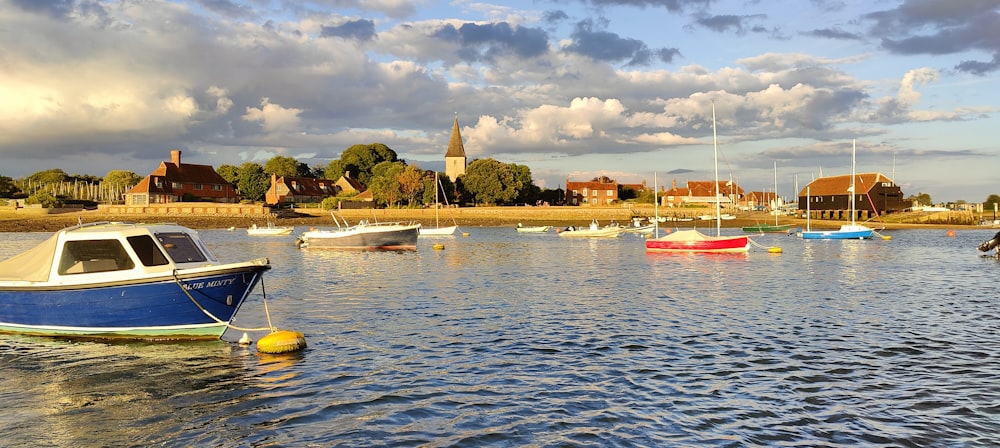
455 147
454 159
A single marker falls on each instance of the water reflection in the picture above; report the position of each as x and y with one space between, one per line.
508 340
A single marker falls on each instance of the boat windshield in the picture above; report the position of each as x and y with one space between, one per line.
180 247
82 257
147 250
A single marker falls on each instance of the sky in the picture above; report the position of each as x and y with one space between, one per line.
572 89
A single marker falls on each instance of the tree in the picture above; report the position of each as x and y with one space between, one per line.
229 172
253 183
411 183
122 178
991 203
491 182
528 193
384 183
46 199
334 170
286 167
920 199
52 176
360 161
7 187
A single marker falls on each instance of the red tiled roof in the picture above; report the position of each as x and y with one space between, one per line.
838 185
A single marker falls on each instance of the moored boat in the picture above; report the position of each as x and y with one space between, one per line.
694 241
768 228
123 280
364 236
532 229
269 230
852 231
594 231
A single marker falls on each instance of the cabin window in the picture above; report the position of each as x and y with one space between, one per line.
84 257
180 247
147 250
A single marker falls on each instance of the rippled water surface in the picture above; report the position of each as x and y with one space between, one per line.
503 339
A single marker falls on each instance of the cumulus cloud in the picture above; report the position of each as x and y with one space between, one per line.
273 117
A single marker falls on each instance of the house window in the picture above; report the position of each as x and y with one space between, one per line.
199 186
216 187
593 193
158 182
611 193
176 185
138 199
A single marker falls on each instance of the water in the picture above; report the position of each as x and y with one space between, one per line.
504 339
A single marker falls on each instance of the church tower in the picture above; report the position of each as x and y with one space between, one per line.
454 159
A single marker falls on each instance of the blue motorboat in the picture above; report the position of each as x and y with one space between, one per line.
124 280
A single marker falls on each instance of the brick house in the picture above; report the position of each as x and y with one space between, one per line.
290 190
702 192
599 191
174 181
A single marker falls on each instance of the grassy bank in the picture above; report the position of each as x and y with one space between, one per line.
464 217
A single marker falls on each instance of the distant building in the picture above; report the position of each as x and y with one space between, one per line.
454 159
174 181
599 191
702 192
876 195
768 199
292 190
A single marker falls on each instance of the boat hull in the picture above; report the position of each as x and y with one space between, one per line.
389 238
438 231
765 228
837 234
536 229
270 231
694 241
607 232
154 308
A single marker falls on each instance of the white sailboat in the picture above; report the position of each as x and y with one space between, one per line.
852 231
437 230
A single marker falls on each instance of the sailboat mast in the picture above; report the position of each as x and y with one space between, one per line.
656 209
718 204
853 150
775 210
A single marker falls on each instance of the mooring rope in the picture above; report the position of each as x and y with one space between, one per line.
757 245
216 319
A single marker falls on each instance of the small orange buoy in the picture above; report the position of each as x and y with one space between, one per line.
281 341
951 233
439 246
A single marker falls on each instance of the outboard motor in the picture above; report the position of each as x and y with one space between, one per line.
989 244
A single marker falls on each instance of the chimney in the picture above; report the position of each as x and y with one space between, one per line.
175 157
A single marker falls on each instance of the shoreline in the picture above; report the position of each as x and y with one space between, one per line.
463 217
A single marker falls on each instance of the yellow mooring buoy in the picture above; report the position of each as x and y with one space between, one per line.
465 233
774 250
886 237
439 246
281 341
